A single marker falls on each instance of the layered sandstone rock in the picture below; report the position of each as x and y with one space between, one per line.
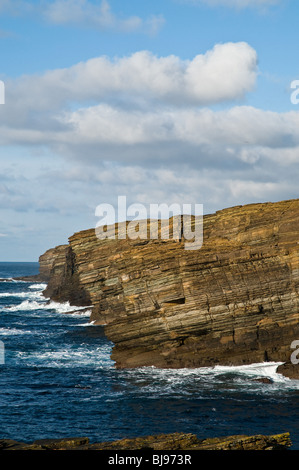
234 301
175 441
53 256
64 283
49 258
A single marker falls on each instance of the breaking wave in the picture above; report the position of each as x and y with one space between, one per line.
97 357
44 304
38 286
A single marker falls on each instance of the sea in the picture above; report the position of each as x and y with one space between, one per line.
57 380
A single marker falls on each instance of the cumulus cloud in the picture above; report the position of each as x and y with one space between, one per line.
158 105
138 99
225 73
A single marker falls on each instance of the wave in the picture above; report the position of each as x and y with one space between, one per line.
65 307
13 331
35 300
11 279
235 378
26 305
262 369
7 279
38 286
91 323
97 357
30 295
30 305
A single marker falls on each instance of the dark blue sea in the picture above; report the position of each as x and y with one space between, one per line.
57 380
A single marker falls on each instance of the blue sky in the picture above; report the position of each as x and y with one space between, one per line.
168 101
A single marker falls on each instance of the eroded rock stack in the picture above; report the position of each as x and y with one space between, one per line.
234 301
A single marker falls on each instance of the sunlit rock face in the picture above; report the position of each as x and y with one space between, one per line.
233 301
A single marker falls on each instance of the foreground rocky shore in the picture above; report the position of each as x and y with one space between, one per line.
234 301
176 441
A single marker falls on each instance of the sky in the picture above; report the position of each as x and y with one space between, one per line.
172 101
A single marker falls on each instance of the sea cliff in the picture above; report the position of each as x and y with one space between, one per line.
233 301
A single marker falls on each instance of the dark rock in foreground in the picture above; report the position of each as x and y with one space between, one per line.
176 441
264 380
289 370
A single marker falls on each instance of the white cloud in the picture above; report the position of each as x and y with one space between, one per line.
241 126
237 3
17 7
83 13
98 16
140 125
255 190
149 102
242 137
79 11
227 72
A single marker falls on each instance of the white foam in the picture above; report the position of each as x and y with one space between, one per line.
65 307
11 279
91 323
26 305
97 357
13 332
29 295
241 373
256 371
45 304
38 286
262 369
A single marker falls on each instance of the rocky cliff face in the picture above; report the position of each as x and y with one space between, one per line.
51 257
63 280
234 301
47 261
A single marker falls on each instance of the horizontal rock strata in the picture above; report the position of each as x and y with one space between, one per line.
176 441
234 301
46 263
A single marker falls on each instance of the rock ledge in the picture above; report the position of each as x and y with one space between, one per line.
175 441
